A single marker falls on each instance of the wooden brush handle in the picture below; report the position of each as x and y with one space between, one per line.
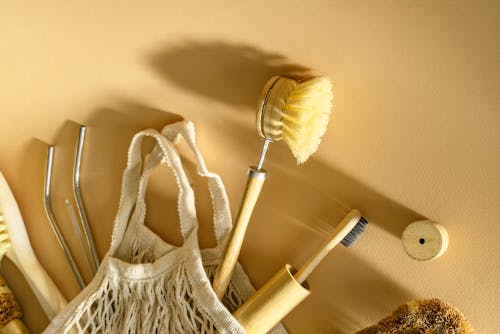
15 326
339 233
254 185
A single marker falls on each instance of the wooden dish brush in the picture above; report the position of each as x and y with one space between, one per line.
289 110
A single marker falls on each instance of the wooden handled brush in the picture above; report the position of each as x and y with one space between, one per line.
283 292
292 111
346 233
15 244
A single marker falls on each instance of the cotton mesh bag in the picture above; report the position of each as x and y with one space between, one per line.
146 285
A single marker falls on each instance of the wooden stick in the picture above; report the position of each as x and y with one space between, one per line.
254 185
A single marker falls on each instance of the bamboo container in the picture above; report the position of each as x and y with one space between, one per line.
272 302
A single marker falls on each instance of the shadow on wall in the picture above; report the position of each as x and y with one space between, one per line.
352 295
349 293
233 74
110 130
311 196
104 157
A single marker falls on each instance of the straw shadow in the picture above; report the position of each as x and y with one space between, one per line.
42 238
45 243
105 152
233 74
109 133
110 130
313 194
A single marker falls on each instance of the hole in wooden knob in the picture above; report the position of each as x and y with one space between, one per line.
424 240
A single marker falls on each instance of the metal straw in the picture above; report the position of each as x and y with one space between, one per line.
79 200
52 220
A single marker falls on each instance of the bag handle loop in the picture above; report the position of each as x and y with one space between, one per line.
132 208
220 202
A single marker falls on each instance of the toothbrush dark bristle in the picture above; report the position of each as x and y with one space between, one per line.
356 231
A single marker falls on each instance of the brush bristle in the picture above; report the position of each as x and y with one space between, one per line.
306 115
4 237
356 231
9 306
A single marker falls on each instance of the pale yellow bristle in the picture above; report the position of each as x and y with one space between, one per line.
4 237
306 115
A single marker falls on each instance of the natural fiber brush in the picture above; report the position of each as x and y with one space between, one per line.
289 110
429 316
347 232
295 112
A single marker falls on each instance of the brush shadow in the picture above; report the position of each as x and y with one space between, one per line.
308 196
312 194
233 74
348 293
298 206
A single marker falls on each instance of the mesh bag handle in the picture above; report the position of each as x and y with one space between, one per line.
220 202
132 206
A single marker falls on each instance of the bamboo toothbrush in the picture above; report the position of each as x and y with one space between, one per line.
289 110
283 292
346 233
15 244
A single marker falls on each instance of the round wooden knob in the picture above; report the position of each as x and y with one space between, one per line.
425 240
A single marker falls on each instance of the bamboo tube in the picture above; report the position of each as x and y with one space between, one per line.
272 302
224 272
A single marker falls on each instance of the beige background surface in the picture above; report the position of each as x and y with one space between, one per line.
414 134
